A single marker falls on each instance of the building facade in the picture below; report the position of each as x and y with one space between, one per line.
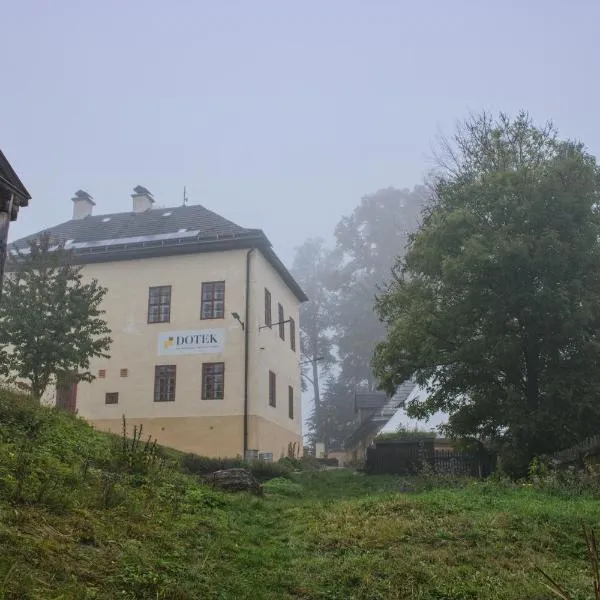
204 320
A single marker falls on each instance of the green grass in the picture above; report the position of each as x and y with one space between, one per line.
77 523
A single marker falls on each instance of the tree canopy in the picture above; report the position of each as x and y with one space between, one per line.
496 304
51 321
339 323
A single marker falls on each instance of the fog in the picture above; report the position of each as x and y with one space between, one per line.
276 116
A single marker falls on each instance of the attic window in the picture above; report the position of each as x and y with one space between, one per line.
167 214
106 219
102 373
124 372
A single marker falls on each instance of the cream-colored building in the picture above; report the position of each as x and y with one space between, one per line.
204 320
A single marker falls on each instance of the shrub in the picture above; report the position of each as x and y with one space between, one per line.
568 481
405 434
263 471
306 463
283 487
136 456
203 465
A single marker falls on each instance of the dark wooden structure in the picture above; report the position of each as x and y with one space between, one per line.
13 195
411 456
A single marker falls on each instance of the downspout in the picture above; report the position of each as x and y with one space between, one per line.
246 346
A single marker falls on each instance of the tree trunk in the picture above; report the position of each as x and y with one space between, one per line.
315 382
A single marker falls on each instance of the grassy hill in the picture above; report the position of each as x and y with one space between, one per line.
84 517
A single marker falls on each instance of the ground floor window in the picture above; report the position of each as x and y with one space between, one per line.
164 383
213 381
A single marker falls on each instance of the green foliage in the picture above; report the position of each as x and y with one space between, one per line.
50 318
592 554
204 465
136 456
496 305
406 434
263 471
100 534
566 482
335 419
283 487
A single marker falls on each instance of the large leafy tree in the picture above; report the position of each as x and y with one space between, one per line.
496 305
368 242
51 321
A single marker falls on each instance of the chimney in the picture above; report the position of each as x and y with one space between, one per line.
82 205
142 199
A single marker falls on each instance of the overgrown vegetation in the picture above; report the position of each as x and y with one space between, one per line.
85 516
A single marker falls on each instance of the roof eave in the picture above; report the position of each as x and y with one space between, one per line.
256 239
13 183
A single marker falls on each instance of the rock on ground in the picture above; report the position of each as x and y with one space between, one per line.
235 480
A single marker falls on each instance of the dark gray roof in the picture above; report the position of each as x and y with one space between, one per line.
370 400
12 186
158 232
151 222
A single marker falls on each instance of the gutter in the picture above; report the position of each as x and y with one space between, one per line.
246 346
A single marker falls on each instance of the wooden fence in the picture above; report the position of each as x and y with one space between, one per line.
410 458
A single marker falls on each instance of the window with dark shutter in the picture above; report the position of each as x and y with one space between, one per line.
111 398
213 381
272 389
213 300
290 402
164 383
268 315
159 304
280 320
292 334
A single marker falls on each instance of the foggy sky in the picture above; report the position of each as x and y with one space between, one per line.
278 115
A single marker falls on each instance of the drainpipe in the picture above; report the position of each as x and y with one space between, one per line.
246 346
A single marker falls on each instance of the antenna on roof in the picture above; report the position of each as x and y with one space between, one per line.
185 198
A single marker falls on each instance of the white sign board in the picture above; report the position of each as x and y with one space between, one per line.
191 341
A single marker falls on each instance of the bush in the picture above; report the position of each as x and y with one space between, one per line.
306 463
405 434
203 465
568 481
263 471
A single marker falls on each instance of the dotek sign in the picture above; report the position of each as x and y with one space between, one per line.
202 341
